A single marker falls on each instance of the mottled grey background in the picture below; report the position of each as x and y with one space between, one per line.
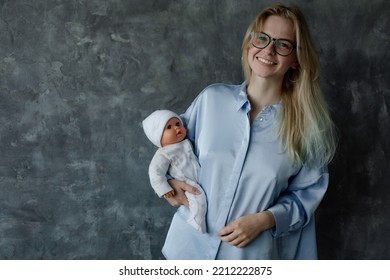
77 78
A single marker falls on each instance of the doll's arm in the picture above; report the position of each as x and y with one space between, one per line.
158 169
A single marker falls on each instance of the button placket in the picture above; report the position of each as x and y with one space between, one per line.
264 116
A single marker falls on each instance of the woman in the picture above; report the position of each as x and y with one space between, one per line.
263 147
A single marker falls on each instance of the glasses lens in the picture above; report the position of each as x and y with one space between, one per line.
283 47
260 40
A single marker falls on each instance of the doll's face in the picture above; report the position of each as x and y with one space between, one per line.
174 132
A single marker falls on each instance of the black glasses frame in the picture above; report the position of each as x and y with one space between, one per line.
274 41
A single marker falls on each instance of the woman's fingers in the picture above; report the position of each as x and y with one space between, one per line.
179 198
245 229
183 186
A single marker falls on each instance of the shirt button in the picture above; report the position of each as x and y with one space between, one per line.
261 119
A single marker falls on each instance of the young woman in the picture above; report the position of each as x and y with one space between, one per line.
263 147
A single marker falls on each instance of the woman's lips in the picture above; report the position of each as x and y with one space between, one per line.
265 61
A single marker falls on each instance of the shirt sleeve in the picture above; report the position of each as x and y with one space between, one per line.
158 169
295 207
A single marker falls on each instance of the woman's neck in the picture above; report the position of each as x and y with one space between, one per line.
262 93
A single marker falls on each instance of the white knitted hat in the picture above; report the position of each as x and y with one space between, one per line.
154 125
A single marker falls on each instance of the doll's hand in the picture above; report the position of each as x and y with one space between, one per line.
245 229
179 198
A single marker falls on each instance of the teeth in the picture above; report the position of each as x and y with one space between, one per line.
265 61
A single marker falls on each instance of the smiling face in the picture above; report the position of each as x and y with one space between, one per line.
267 63
174 132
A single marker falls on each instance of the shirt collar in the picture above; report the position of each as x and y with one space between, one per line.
242 98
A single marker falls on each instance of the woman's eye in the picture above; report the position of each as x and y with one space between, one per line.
284 45
169 126
178 124
263 39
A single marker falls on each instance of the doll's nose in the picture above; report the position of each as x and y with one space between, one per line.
178 129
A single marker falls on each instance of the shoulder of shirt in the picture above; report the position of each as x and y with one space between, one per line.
219 91
221 87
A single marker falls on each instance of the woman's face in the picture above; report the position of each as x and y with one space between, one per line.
267 63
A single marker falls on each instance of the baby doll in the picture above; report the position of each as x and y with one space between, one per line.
176 158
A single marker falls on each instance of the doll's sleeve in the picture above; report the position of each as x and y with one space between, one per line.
158 169
296 205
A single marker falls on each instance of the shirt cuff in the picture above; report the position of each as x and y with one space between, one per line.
281 220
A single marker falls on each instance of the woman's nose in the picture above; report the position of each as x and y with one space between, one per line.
270 48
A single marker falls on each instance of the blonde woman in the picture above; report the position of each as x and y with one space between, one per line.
263 147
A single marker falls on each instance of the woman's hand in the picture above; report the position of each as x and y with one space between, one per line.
179 198
245 229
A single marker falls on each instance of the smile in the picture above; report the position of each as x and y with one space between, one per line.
266 61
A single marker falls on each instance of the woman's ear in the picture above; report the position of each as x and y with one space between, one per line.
295 65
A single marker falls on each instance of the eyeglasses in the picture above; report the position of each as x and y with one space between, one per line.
282 47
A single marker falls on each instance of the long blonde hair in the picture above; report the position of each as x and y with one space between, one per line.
305 127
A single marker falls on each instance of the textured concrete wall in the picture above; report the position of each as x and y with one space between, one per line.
77 78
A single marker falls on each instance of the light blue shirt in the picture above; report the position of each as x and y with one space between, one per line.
244 170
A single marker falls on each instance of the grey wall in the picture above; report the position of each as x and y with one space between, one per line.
77 78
